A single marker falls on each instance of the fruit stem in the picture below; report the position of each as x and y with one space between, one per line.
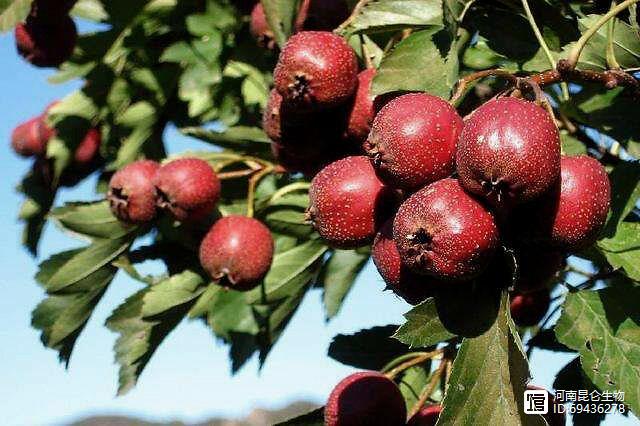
251 191
392 369
574 55
429 388
543 45
292 187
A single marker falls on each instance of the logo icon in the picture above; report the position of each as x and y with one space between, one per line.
536 401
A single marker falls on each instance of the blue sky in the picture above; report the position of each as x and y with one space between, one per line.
189 376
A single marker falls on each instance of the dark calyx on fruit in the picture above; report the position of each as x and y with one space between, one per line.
316 70
188 188
365 398
237 251
509 152
131 192
413 288
444 232
46 44
348 203
528 309
413 140
571 215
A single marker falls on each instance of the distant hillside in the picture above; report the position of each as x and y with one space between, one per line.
257 417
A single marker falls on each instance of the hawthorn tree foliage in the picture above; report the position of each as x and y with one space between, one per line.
195 64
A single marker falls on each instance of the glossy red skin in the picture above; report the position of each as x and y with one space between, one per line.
259 28
362 113
552 418
528 309
237 251
413 140
46 44
366 398
411 287
347 202
537 267
188 188
571 216
87 151
459 235
508 152
27 139
427 416
316 70
321 15
131 194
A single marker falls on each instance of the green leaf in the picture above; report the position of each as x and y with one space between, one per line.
174 291
280 16
625 191
488 378
85 262
603 326
423 327
313 418
392 15
404 68
12 13
623 250
338 275
139 337
369 349
93 219
62 317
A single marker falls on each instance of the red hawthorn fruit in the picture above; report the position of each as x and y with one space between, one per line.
413 288
528 309
321 15
88 148
188 188
237 251
348 203
27 138
509 152
427 416
316 70
365 398
413 140
46 44
259 28
444 232
572 214
537 267
552 418
131 194
361 113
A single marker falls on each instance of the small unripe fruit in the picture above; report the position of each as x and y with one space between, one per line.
365 398
444 232
348 203
361 113
131 194
553 418
509 152
259 28
27 138
46 44
413 288
528 309
427 416
188 188
316 70
536 268
571 215
88 148
321 15
237 251
413 140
